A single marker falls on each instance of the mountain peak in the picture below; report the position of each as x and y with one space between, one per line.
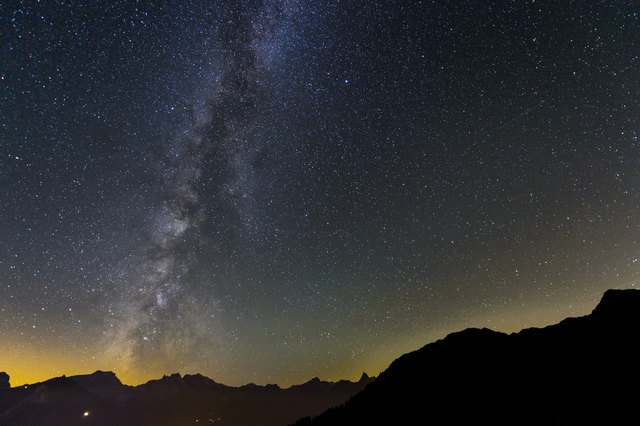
364 378
4 380
174 376
616 303
102 382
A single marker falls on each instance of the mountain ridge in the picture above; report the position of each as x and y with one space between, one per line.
190 378
577 371
100 398
572 372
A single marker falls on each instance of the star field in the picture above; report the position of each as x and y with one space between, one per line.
271 191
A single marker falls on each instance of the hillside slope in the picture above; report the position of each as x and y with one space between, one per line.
581 371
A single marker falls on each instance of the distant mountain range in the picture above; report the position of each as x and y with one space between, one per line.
101 399
582 371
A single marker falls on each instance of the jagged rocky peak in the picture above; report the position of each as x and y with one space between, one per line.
364 378
174 378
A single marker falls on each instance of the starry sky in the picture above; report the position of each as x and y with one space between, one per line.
270 191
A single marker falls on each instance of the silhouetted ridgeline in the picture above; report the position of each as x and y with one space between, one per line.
101 399
581 371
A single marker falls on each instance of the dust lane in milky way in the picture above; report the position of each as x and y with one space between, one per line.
271 191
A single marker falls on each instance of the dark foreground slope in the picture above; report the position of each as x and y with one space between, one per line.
581 371
171 401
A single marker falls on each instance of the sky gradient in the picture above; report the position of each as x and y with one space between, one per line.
270 191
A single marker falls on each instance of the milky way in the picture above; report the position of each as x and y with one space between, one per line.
158 316
271 191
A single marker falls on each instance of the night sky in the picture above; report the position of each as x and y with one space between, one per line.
270 191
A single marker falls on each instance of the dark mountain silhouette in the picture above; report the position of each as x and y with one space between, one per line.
4 381
582 371
172 400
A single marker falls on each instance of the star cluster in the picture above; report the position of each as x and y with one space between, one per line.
270 191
